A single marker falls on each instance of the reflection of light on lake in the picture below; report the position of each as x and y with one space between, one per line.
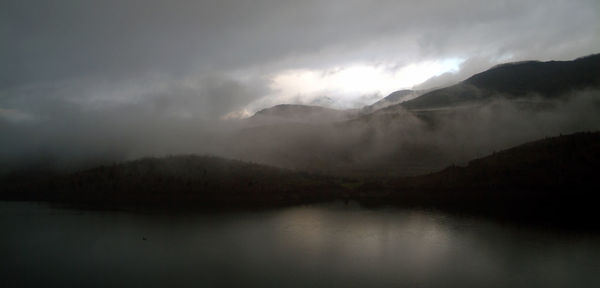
429 243
303 227
310 246
361 237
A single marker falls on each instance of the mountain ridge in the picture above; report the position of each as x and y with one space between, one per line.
545 179
518 79
549 79
299 113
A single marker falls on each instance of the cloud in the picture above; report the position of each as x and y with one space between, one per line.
84 75
205 97
15 116
65 39
90 118
466 69
398 142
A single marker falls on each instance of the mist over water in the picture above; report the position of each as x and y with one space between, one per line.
316 246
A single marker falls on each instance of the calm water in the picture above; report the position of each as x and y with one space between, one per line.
311 246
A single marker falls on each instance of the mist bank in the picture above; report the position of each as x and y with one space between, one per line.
386 142
403 142
548 80
401 135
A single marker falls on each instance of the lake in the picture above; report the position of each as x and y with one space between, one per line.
330 245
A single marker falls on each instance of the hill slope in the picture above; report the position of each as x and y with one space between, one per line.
196 181
553 179
394 98
513 80
286 113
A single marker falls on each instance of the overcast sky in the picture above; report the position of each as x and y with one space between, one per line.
210 59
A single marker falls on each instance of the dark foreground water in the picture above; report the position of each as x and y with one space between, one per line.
311 246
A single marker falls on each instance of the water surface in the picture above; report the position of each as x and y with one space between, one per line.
309 246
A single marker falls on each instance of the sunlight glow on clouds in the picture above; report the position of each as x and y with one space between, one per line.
360 78
346 87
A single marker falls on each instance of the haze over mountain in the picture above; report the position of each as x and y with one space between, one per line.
516 80
300 114
317 114
489 111
299 143
88 82
97 83
394 98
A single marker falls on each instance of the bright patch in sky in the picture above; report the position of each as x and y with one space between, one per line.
360 78
348 86
345 87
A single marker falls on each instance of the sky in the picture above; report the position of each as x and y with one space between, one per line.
75 66
209 59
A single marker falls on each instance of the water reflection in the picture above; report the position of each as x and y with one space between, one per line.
325 245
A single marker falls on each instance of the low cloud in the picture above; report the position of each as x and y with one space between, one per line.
129 79
399 142
466 69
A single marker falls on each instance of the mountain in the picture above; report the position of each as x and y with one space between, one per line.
370 156
286 113
515 80
394 98
548 80
180 181
553 179
441 127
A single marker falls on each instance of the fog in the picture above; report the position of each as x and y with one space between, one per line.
399 142
391 141
87 82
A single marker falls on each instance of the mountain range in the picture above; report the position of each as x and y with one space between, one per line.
516 80
519 80
504 106
384 153
549 179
